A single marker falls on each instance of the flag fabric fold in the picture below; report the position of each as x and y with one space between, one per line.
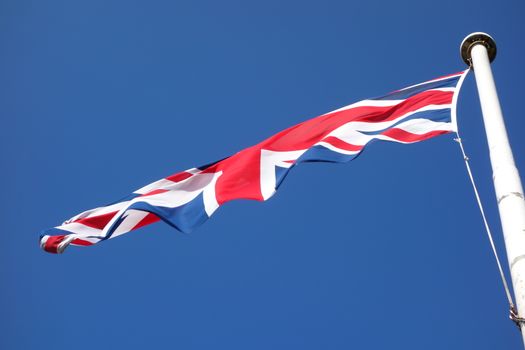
188 198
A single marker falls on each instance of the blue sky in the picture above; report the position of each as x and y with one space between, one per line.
99 98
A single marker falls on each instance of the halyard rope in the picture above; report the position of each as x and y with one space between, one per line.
513 312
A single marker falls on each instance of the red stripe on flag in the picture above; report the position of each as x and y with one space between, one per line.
241 177
405 136
179 176
98 222
151 193
148 219
337 142
78 241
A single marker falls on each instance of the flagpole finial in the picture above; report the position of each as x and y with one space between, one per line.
477 38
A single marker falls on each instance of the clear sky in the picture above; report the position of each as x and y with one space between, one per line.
98 98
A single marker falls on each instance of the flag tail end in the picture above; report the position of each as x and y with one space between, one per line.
55 244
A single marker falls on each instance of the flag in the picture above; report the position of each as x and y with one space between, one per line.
187 199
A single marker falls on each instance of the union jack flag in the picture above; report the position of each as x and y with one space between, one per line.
188 198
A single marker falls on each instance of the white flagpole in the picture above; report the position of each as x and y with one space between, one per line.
479 50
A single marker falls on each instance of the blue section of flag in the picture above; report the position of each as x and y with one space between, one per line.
280 174
411 91
320 153
184 218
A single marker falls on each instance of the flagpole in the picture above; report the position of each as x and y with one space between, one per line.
478 50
